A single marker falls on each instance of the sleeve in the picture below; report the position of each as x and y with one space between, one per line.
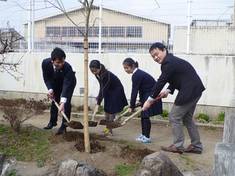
46 77
105 81
68 83
171 88
136 81
167 72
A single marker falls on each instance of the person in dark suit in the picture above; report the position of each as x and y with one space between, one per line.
111 90
181 76
142 83
60 81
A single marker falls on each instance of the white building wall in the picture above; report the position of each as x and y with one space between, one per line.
206 40
216 72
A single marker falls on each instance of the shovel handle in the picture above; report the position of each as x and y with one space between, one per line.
62 112
126 112
118 117
132 116
95 112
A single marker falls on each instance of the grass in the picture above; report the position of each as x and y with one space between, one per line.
30 145
165 114
203 118
125 169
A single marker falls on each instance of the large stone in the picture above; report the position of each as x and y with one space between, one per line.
224 159
2 160
88 170
75 168
68 168
157 164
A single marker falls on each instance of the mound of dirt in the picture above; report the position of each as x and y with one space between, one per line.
133 154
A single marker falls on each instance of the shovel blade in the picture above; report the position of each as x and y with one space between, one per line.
75 125
92 123
110 124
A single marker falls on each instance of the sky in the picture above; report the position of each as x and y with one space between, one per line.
174 12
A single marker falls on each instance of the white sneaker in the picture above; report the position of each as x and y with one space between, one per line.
139 138
145 140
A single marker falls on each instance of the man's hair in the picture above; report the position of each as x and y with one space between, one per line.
58 53
158 45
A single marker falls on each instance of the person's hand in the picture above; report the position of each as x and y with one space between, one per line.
163 94
50 94
130 110
96 108
61 109
147 104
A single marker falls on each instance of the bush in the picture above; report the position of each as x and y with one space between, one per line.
165 114
203 118
221 117
18 111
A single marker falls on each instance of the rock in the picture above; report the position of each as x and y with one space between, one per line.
2 160
75 168
224 159
157 164
88 170
68 168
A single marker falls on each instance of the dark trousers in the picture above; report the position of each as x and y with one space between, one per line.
67 107
146 126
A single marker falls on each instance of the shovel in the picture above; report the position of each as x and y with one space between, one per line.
92 122
119 124
105 122
71 124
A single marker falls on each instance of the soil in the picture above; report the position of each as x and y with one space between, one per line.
107 152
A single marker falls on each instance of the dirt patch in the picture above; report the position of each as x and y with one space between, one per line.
134 154
78 138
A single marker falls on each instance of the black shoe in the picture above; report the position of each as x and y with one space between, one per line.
50 126
61 131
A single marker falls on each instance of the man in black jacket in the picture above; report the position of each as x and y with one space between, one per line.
60 81
181 76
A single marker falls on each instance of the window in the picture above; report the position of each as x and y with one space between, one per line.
134 31
117 31
53 31
94 32
105 31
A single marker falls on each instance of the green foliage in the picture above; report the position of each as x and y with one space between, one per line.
203 118
30 144
221 117
125 169
165 114
11 173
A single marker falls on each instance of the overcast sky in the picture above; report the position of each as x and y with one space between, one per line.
170 11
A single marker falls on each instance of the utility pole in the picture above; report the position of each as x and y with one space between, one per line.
100 29
31 26
189 2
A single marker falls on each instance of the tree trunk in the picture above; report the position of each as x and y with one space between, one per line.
85 119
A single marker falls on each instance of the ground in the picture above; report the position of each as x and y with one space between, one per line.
116 155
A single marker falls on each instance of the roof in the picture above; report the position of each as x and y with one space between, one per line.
96 7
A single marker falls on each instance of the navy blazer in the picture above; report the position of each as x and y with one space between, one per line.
181 76
112 91
62 80
143 83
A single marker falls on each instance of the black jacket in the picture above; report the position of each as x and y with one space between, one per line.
142 83
62 80
181 76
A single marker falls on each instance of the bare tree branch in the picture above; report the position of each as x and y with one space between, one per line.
8 39
66 14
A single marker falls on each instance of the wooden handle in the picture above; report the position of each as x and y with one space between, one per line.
118 117
62 112
132 116
95 112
